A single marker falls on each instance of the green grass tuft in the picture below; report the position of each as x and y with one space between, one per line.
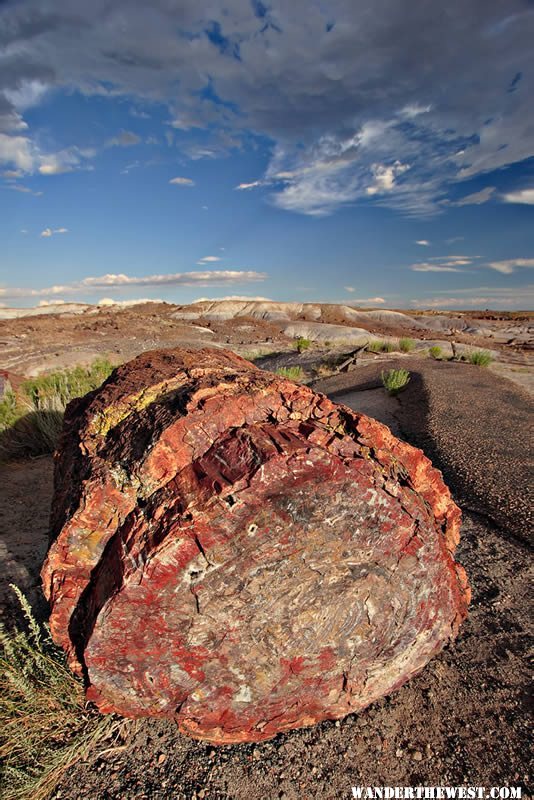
45 726
302 344
381 346
435 352
31 422
406 345
291 373
395 380
480 357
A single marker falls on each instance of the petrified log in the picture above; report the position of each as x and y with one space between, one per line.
236 551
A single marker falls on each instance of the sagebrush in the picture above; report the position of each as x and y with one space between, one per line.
45 724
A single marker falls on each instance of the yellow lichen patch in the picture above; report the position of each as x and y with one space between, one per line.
106 420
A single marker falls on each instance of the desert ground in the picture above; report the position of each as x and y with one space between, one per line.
464 719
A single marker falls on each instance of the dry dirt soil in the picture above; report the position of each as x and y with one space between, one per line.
463 720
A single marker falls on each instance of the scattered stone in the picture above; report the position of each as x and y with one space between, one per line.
227 548
417 755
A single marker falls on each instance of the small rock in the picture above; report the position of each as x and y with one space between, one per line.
417 755
162 758
399 752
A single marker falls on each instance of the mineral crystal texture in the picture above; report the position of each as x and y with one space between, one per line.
239 553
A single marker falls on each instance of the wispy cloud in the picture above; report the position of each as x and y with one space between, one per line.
123 139
444 264
510 265
48 232
425 267
423 242
18 187
525 196
179 181
208 259
479 297
122 281
252 185
475 199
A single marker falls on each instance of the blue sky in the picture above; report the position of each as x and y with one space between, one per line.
376 152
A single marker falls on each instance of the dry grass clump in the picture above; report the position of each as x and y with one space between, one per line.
45 725
291 373
395 380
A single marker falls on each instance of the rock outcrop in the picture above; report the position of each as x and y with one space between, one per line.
236 551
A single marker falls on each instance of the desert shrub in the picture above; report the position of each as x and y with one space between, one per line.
9 410
31 422
395 380
292 373
480 357
62 386
45 726
388 347
435 352
302 344
406 345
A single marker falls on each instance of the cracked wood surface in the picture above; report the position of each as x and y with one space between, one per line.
236 551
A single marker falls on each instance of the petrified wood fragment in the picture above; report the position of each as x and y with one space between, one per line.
238 552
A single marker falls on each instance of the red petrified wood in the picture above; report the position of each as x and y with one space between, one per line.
237 552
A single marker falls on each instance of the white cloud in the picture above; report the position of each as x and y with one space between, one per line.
475 199
384 177
525 196
249 185
182 181
413 110
366 301
349 288
208 259
423 242
17 151
511 264
48 232
122 281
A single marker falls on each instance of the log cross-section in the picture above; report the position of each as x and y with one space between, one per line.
237 552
